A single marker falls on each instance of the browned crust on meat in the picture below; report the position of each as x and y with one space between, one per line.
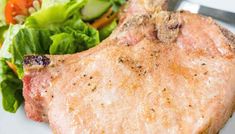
40 60
168 25
153 7
206 129
159 4
229 35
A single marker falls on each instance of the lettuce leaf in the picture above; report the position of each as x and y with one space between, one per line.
57 29
70 36
29 41
11 88
3 30
2 15
78 36
86 36
63 43
10 34
54 15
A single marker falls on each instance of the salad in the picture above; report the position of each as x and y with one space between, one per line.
48 27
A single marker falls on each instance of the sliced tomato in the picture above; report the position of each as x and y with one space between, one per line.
17 7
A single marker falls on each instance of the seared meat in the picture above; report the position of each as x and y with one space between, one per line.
159 73
137 7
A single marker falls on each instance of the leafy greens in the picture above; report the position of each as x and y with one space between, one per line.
11 88
63 43
2 15
28 41
57 29
54 15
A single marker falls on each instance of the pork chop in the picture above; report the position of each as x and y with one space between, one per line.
161 73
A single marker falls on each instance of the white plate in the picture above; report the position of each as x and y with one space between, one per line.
19 124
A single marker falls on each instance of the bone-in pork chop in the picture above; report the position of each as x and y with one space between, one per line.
162 73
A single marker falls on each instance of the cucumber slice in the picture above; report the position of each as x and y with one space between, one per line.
94 9
107 30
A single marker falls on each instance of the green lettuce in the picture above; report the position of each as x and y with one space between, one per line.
76 36
63 43
29 41
86 36
3 30
10 34
73 36
57 29
2 15
54 15
11 88
62 37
